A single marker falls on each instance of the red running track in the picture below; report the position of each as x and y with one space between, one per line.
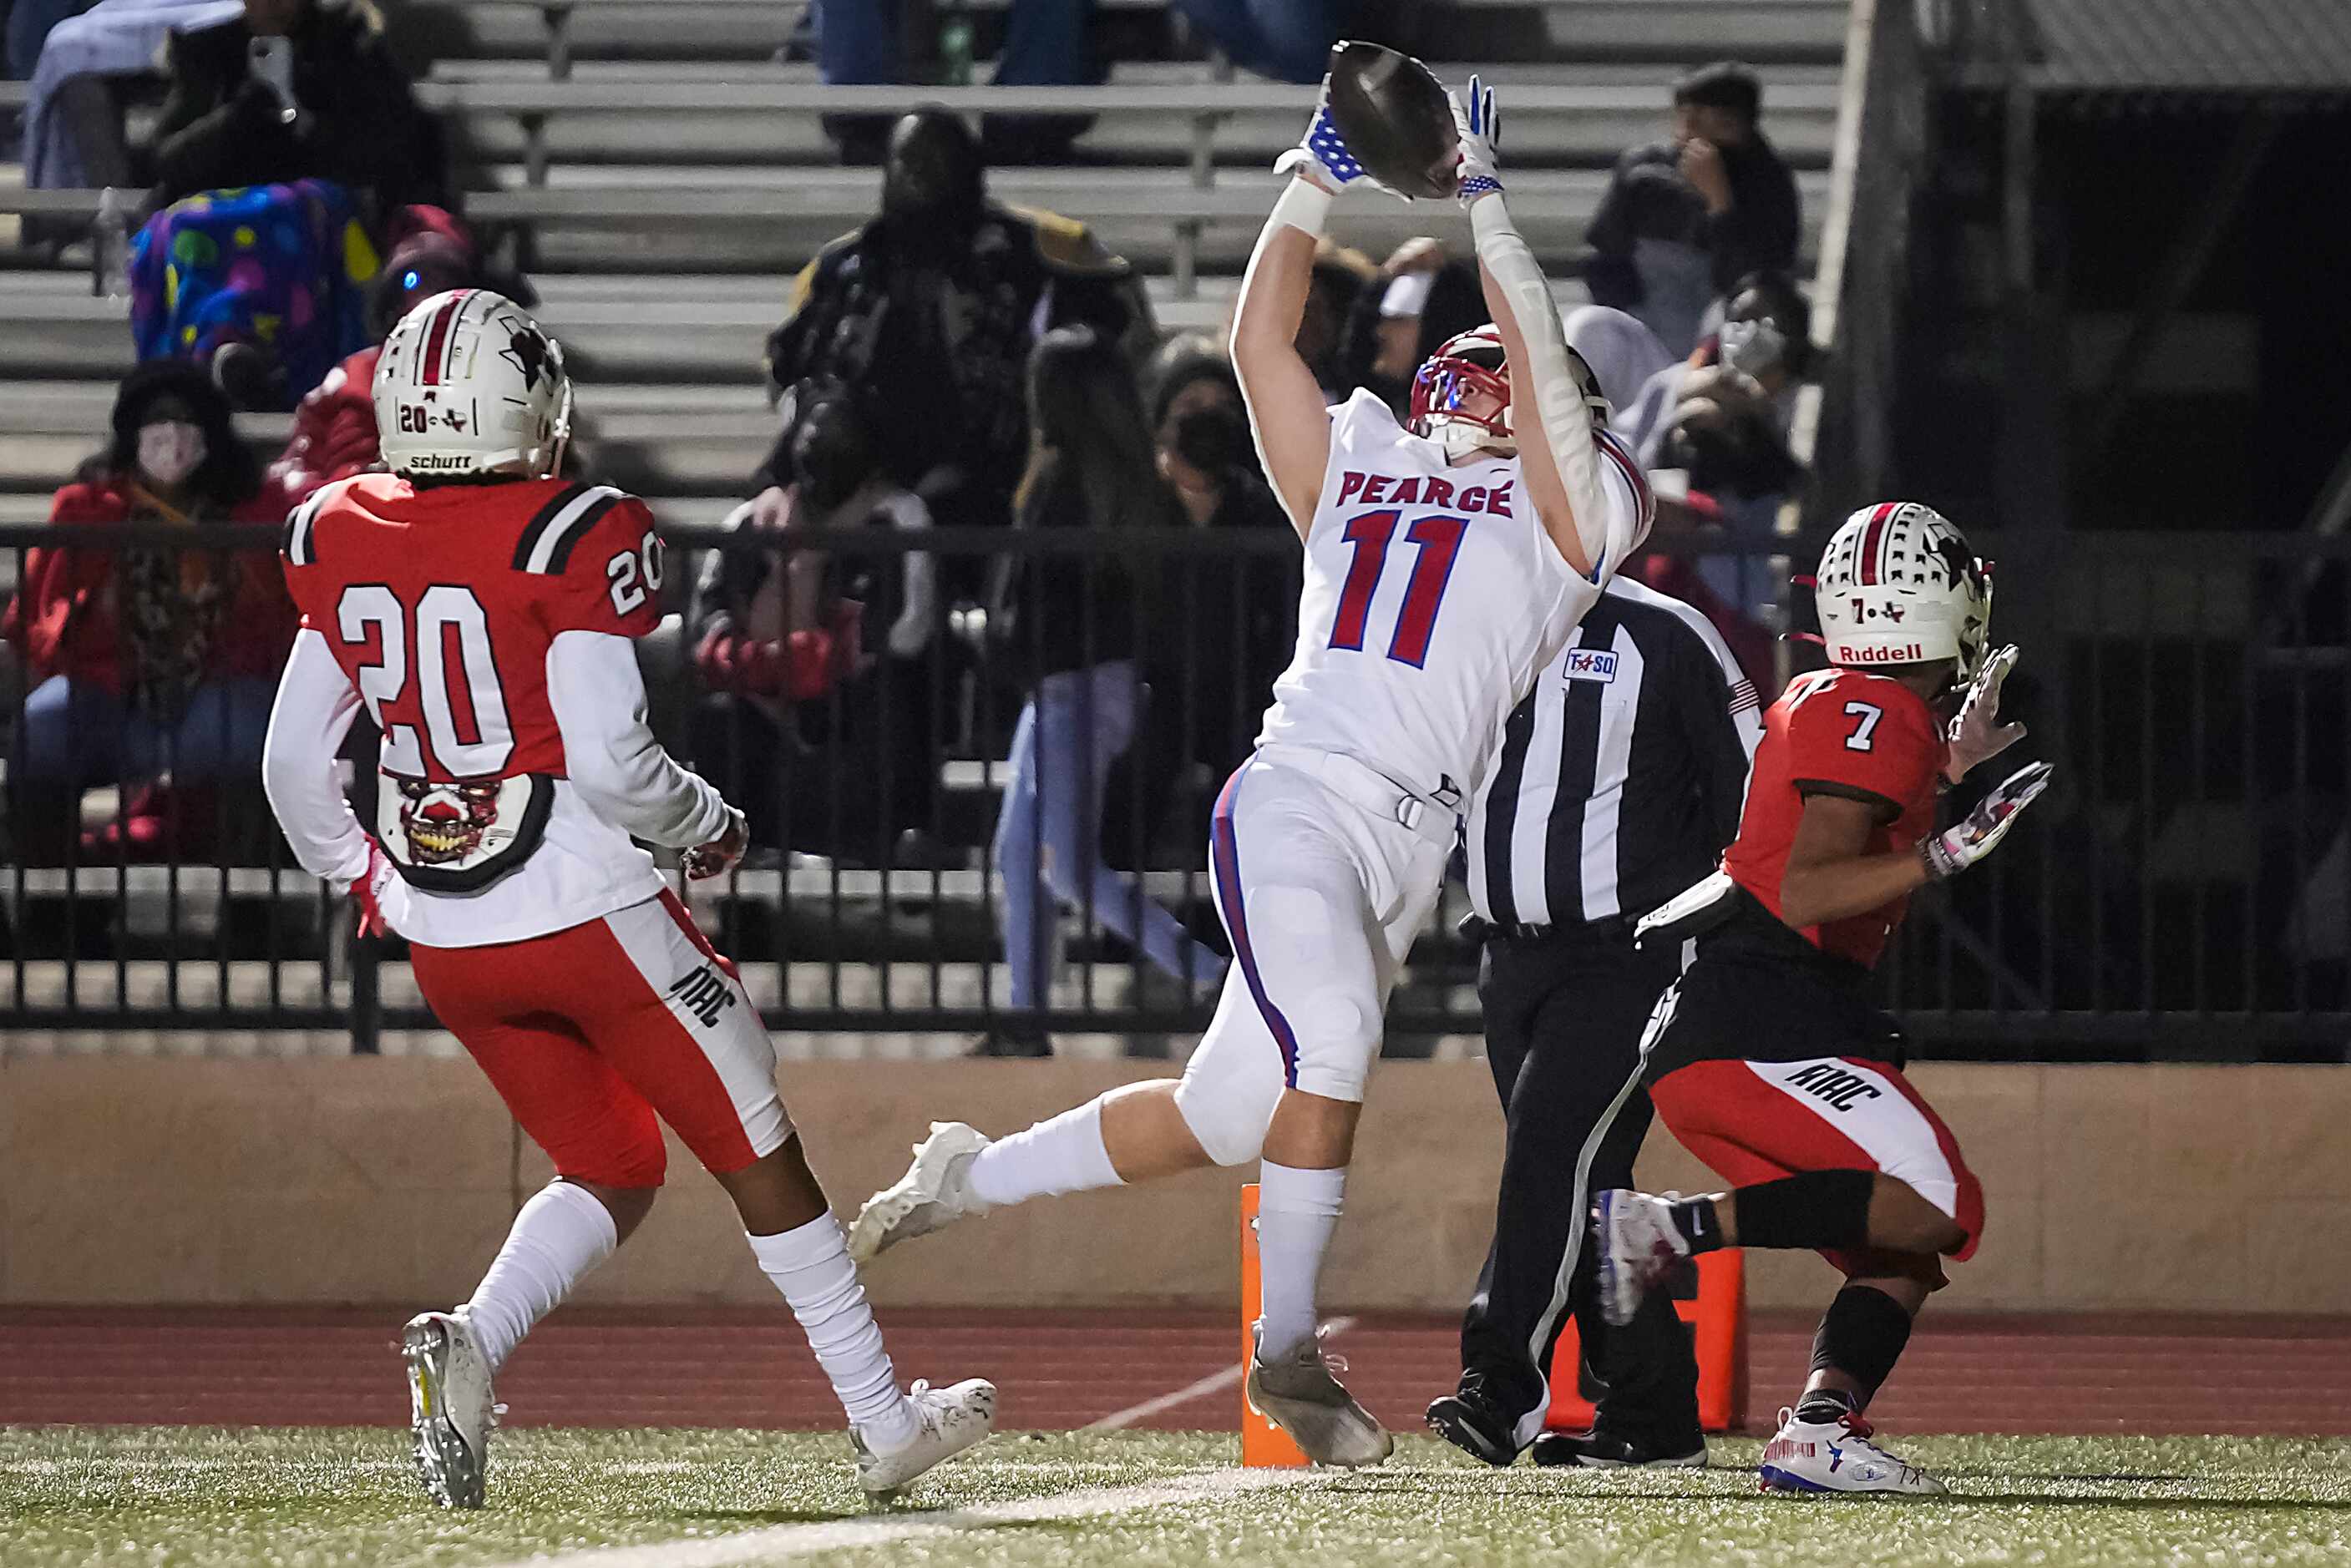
749 1367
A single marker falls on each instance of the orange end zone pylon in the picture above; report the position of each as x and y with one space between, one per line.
1264 1446
1715 1312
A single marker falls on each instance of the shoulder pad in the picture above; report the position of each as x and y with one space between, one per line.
544 545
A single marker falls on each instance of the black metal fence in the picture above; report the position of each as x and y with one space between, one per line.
2182 892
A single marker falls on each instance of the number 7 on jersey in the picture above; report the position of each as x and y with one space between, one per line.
1439 541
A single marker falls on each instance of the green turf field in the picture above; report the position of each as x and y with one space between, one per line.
174 1497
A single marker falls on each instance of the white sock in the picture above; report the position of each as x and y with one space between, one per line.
1065 1154
1296 1212
562 1233
810 1266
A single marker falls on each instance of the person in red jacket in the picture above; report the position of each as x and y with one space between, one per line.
147 661
334 426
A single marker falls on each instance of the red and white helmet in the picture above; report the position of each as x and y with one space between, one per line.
1465 364
1898 584
1471 362
467 386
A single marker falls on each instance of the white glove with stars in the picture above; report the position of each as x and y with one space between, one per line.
1322 152
1479 125
1961 845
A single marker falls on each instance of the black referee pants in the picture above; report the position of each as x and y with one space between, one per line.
1565 1014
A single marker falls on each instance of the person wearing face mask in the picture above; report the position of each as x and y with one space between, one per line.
149 659
929 311
1721 418
822 692
1685 216
1231 620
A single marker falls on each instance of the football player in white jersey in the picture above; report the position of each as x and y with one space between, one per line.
1446 562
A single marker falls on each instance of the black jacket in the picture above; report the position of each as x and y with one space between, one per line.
361 126
1648 199
942 382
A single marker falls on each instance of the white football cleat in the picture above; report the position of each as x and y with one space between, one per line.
1839 1456
1639 1244
952 1420
935 1193
450 1406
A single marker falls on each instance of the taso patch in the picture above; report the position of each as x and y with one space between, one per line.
1589 664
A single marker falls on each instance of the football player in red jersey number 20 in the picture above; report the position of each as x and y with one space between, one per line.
1766 1059
482 609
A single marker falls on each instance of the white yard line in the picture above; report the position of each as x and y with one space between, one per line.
1223 1377
785 1542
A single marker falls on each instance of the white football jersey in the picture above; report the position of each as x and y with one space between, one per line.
1432 598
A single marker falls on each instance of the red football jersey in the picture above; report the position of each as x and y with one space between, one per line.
1844 732
440 605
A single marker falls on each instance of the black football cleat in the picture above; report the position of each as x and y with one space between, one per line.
1602 1450
1470 1421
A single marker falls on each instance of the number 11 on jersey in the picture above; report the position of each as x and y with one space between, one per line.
1440 540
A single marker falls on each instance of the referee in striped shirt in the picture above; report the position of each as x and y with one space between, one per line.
1620 781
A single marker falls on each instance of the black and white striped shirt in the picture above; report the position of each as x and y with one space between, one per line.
1622 774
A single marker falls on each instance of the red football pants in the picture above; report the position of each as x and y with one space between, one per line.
595 1035
1759 1121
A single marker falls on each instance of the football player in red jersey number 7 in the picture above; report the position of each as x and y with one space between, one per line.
482 609
1766 1059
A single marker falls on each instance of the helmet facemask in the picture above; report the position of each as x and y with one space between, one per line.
1464 371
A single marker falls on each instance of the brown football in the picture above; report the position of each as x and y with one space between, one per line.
1393 112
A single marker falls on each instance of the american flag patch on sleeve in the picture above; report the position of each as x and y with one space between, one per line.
1742 696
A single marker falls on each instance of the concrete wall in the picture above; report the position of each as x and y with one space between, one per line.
391 1180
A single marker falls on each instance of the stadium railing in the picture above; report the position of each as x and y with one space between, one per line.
2184 892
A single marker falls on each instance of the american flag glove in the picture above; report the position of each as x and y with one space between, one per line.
1479 123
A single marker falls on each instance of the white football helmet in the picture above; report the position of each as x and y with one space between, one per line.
468 386
1897 585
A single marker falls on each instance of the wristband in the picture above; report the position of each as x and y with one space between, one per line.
1942 865
1305 205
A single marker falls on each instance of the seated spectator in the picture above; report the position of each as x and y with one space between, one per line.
1045 45
1725 428
1229 621
1683 218
1420 298
1070 624
1623 353
1341 275
294 90
1287 40
29 23
929 311
821 721
1766 337
264 288
150 660
74 114
334 426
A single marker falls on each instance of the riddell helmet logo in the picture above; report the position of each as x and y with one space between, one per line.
1849 653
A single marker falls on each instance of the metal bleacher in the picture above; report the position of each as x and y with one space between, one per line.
668 177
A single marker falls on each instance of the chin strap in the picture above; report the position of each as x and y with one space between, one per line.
1607 539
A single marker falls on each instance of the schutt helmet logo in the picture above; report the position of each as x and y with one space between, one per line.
531 356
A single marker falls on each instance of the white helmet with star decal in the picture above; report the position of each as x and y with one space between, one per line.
1898 584
468 386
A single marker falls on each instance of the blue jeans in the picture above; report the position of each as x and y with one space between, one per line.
1044 43
77 734
1048 832
1288 40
